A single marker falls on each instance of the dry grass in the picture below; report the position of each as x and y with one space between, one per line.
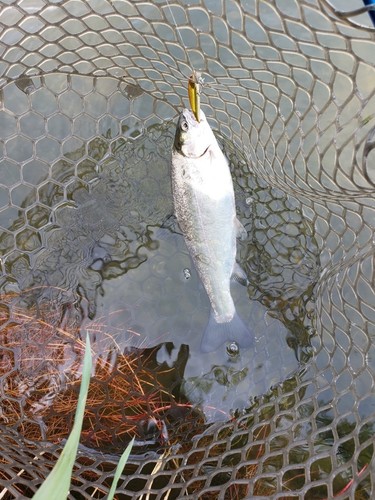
40 371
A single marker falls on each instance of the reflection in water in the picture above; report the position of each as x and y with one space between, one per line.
114 256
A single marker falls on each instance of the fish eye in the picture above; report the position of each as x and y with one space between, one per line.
184 125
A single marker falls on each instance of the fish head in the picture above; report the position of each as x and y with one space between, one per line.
192 138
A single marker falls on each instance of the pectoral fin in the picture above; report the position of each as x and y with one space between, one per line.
241 232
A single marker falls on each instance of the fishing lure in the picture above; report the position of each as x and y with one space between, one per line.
194 90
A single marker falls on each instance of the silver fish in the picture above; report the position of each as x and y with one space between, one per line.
205 209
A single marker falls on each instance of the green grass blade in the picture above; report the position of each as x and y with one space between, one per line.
120 467
57 484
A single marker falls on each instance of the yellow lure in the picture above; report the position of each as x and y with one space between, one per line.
194 91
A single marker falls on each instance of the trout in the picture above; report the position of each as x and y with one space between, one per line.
205 209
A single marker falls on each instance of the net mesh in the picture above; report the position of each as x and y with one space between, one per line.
290 84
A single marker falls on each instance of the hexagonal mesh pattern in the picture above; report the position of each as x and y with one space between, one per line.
88 92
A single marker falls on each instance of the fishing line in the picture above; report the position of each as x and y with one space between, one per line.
179 35
195 80
196 73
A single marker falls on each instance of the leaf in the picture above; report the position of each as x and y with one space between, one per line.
57 484
120 467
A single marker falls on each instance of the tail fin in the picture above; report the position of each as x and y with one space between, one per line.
217 334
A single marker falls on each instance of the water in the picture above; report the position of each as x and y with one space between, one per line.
101 245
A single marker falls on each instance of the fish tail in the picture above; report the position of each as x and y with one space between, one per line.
217 334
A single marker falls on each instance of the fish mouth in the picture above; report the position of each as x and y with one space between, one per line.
191 156
188 114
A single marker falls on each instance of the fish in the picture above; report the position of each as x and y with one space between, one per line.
204 206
